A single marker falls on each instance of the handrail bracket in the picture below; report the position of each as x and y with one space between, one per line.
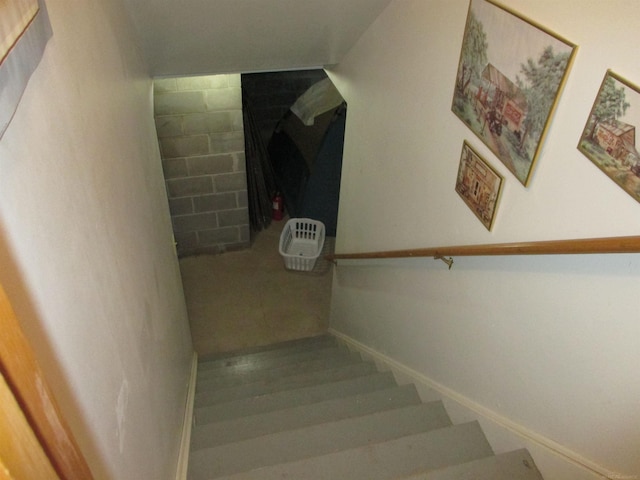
447 260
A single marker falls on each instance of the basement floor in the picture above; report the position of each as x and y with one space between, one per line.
243 299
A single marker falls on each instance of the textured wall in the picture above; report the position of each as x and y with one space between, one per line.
199 124
547 345
86 251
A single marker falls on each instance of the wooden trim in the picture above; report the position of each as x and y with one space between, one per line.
20 369
552 247
185 443
21 455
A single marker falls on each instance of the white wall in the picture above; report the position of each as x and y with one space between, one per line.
202 37
86 252
549 344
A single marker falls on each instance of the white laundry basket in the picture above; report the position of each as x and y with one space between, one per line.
301 243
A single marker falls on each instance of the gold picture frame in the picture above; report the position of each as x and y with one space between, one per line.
479 185
609 136
510 76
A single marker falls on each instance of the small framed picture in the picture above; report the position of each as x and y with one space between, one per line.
609 137
479 185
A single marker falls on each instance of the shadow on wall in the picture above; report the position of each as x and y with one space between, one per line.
29 318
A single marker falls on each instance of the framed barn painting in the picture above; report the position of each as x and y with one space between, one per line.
510 75
609 137
479 185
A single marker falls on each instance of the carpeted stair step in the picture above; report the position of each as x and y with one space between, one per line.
388 460
265 353
515 465
219 433
308 442
300 363
290 398
351 370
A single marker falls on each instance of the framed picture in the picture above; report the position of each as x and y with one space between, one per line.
510 75
479 185
609 137
15 16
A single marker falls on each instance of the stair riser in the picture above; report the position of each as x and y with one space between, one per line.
312 410
334 359
261 364
288 383
317 440
220 433
292 398
390 460
291 348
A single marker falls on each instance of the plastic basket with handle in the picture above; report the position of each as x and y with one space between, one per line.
301 243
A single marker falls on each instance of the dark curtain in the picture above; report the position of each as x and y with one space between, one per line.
261 185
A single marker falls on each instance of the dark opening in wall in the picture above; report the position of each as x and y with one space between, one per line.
304 141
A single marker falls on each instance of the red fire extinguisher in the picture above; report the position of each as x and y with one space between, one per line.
277 210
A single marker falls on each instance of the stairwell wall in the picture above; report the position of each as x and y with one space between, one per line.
86 249
549 344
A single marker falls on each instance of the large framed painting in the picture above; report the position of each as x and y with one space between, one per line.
479 185
510 76
609 137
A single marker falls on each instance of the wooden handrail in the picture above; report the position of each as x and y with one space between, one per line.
549 247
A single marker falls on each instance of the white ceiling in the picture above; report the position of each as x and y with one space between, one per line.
186 37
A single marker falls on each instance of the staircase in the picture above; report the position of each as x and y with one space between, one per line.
311 409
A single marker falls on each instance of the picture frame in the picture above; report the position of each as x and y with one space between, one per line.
479 185
510 76
15 17
609 135
24 32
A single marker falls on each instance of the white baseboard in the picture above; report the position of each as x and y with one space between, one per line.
185 442
554 460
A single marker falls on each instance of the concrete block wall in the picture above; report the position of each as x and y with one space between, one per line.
200 131
272 93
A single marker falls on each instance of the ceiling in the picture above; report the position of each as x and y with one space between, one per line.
190 37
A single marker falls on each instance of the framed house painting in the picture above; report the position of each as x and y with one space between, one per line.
510 75
479 185
609 137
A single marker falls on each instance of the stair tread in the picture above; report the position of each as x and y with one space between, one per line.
323 359
204 436
251 355
380 461
251 365
286 383
317 440
515 465
291 398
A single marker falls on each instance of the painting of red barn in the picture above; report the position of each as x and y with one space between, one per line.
510 76
609 136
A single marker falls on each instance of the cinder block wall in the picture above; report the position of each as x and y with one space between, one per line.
200 131
271 94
